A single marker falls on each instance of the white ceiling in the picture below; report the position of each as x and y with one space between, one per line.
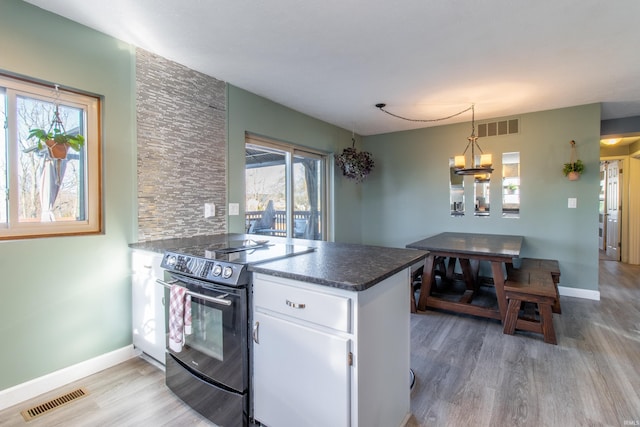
426 59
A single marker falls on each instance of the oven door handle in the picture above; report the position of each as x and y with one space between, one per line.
200 296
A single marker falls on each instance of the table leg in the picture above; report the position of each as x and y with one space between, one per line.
428 278
498 281
469 273
451 266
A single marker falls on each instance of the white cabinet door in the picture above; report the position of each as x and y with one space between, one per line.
148 304
301 375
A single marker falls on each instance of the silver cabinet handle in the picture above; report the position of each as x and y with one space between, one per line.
200 296
295 305
255 333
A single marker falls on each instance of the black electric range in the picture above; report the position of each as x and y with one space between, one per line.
226 261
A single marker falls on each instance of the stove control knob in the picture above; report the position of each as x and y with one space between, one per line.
227 272
171 260
217 270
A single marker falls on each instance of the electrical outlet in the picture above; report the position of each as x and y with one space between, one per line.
209 210
573 202
234 208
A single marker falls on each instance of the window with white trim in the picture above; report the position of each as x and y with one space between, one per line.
45 193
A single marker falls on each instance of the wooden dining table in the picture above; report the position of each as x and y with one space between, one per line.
469 249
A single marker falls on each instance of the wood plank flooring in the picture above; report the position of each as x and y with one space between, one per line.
468 372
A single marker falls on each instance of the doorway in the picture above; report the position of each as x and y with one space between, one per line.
609 227
619 210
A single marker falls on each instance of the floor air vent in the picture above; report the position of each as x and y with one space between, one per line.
46 407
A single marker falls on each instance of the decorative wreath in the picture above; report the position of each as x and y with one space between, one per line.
355 165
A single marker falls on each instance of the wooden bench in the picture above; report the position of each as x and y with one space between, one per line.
534 287
550 266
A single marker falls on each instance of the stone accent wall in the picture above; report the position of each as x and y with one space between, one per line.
182 149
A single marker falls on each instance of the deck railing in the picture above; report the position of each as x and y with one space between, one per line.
279 227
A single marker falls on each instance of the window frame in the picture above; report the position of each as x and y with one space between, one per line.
91 105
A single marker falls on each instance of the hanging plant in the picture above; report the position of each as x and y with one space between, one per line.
53 144
575 167
355 165
56 138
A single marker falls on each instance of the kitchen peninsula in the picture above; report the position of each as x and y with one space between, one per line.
329 334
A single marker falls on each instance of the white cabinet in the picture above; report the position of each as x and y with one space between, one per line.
301 375
148 310
324 356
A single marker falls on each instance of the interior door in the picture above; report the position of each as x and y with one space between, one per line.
602 197
613 209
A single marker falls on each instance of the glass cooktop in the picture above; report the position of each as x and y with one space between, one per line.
247 251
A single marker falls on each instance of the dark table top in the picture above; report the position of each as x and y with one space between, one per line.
496 245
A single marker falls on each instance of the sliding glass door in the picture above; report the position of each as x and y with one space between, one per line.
285 188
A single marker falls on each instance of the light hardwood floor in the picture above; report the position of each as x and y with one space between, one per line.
468 372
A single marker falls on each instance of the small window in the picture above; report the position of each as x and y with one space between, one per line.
50 187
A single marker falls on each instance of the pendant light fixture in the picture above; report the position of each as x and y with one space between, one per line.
480 165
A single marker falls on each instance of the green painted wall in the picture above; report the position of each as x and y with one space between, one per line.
406 198
65 300
251 113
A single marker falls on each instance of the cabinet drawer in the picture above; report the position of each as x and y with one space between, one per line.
332 311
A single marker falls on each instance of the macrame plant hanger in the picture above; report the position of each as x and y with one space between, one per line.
60 149
574 174
574 153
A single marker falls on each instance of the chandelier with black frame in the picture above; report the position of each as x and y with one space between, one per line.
480 166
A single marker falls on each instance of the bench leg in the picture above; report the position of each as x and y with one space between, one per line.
546 319
512 316
556 304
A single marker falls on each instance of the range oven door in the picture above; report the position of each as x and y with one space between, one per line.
217 349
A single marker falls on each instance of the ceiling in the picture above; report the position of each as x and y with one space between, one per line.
335 59
609 142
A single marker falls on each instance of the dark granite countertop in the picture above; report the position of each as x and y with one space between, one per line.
175 244
339 265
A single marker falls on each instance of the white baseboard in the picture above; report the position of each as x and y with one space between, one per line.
37 386
579 293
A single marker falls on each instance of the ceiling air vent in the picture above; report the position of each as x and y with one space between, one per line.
501 127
